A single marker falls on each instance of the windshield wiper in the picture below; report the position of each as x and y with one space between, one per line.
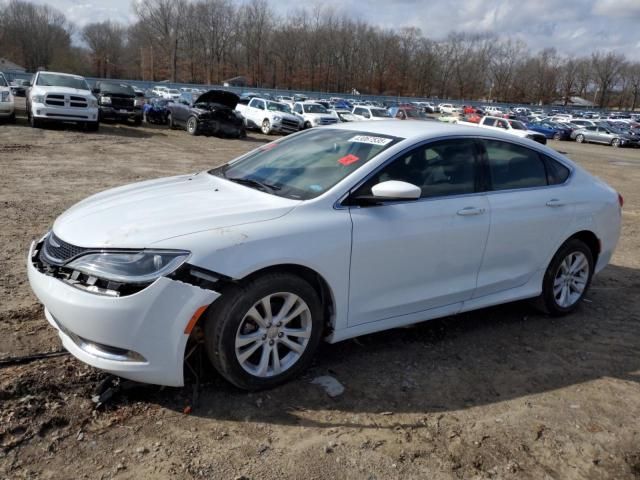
250 182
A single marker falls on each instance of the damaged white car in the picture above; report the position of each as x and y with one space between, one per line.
322 235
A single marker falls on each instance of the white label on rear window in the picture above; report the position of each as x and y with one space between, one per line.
372 140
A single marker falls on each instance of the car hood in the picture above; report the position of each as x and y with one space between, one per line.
63 90
141 214
223 97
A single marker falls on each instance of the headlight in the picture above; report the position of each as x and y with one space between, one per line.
92 102
139 102
38 98
277 118
130 267
105 100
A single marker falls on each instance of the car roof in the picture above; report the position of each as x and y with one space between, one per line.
65 74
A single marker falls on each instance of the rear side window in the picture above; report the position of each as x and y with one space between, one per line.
556 172
512 166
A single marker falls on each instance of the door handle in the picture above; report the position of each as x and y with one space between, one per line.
468 211
554 203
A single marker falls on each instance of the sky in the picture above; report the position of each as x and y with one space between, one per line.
573 27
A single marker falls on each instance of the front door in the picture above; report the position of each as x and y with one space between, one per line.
412 256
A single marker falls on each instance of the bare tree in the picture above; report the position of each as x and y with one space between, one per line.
606 69
106 42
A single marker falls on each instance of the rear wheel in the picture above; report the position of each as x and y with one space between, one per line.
307 125
265 332
170 121
567 278
557 136
580 138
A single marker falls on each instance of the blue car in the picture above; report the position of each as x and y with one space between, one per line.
551 130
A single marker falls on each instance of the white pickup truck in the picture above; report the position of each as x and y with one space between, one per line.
269 116
61 97
514 127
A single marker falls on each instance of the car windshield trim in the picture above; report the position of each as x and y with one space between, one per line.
304 166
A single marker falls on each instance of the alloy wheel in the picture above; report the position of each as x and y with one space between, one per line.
273 334
266 127
571 279
192 125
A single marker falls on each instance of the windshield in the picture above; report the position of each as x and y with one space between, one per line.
314 108
174 91
278 107
118 88
411 113
55 80
380 113
517 125
306 165
3 81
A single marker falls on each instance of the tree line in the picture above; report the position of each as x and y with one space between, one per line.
317 49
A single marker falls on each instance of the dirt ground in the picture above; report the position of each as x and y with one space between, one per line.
501 393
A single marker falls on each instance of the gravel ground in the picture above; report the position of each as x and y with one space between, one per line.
500 393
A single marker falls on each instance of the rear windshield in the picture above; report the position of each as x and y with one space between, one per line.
306 165
381 113
56 80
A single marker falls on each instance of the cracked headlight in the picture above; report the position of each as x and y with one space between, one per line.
143 266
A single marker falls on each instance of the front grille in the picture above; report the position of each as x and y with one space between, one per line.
58 252
122 102
328 121
59 100
55 100
290 123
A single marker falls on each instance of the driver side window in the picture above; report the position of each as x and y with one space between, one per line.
440 169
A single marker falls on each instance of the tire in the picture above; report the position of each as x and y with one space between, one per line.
137 121
615 143
170 121
12 118
557 136
265 127
233 315
33 121
580 138
572 253
307 125
192 126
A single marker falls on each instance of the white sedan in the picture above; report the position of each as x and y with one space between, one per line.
326 234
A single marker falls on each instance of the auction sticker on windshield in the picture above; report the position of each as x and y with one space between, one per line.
371 139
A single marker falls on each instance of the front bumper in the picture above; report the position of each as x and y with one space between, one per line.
120 114
63 114
140 337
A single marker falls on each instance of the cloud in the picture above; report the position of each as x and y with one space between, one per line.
572 27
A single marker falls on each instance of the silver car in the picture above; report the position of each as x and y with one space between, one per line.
606 135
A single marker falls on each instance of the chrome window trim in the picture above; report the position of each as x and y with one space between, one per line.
338 205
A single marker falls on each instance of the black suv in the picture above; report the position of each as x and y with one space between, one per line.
118 101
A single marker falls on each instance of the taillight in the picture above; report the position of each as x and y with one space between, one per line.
620 200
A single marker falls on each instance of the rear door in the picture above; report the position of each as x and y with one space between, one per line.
531 211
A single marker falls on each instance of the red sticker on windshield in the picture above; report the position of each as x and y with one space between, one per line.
348 159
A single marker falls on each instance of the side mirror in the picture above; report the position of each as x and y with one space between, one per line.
388 191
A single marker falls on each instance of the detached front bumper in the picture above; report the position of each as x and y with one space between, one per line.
140 337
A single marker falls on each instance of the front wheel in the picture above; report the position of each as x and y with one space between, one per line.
307 125
567 278
615 143
557 136
192 126
266 127
33 121
265 332
580 139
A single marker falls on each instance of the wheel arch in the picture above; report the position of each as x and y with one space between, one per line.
591 240
315 279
